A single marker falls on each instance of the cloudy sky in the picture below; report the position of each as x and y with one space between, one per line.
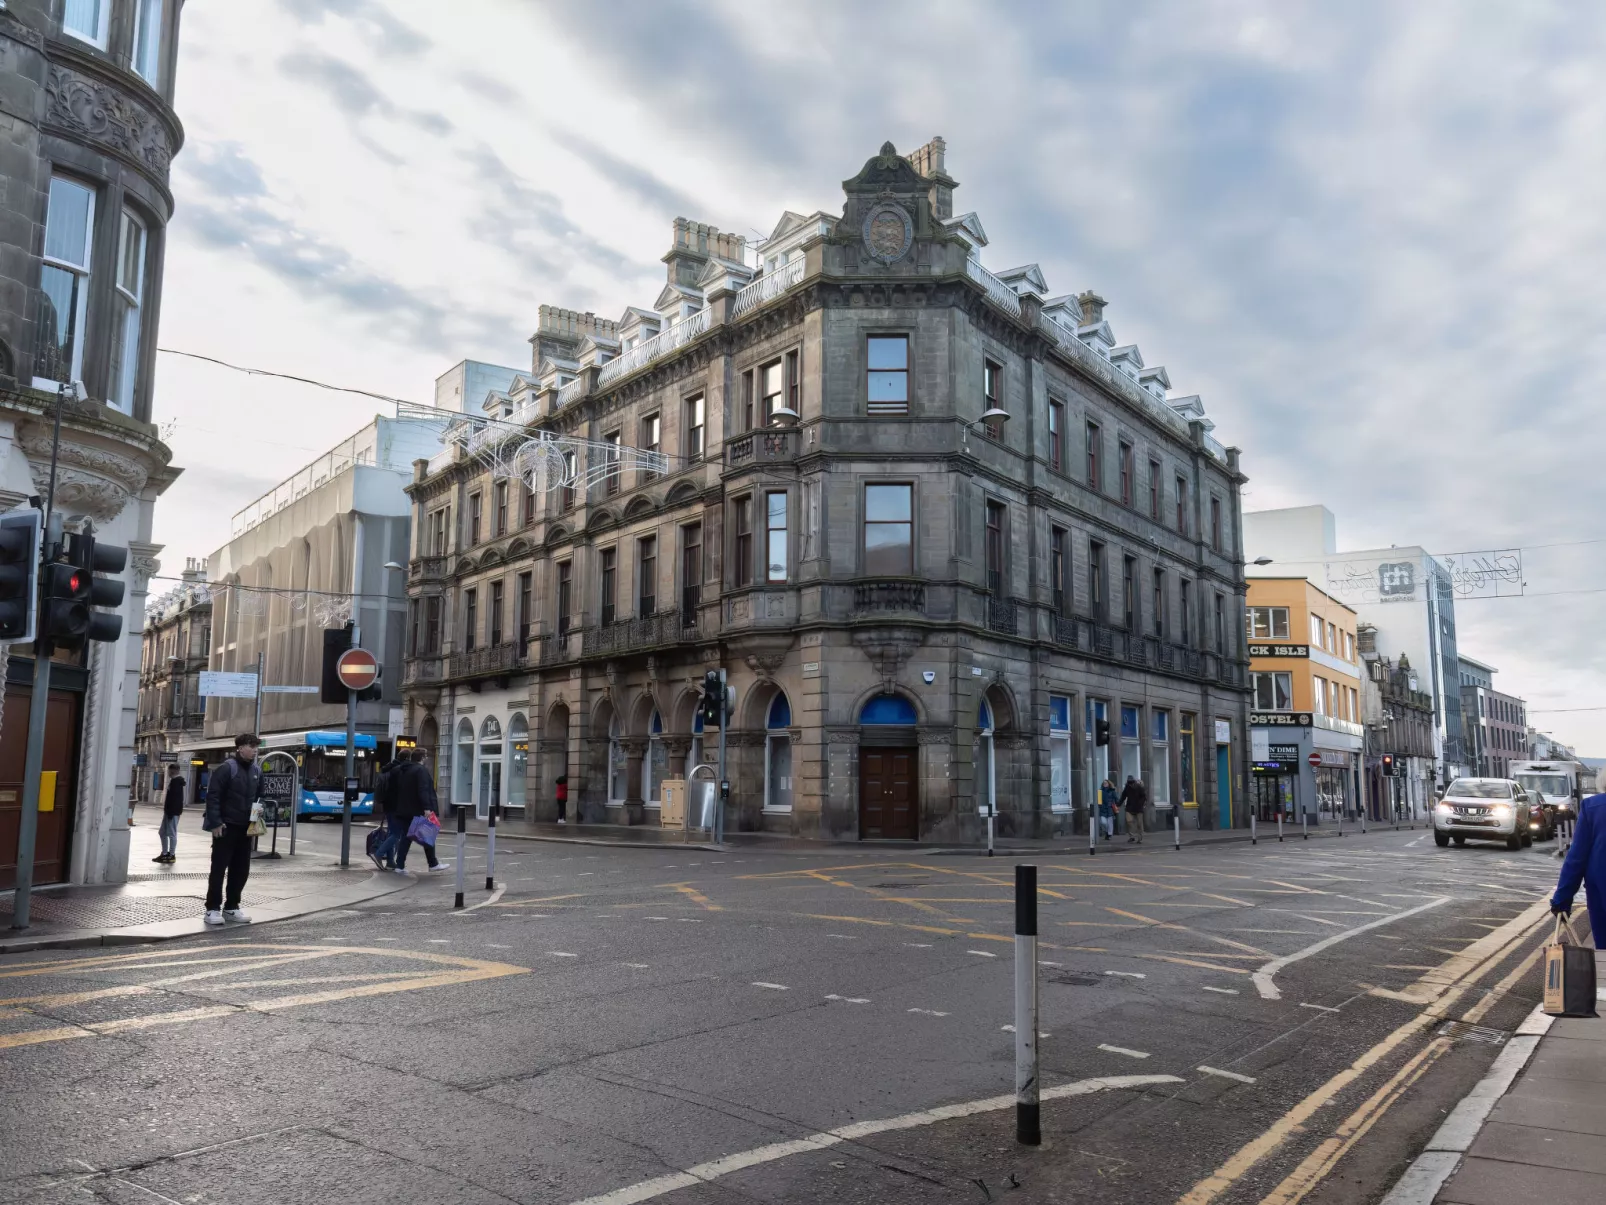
1368 234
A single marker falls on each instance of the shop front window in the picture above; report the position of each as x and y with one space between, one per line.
1160 759
1131 745
1186 767
1059 753
778 756
518 765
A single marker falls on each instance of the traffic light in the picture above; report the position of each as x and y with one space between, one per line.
64 607
1388 765
335 642
21 533
713 698
92 558
376 691
1101 732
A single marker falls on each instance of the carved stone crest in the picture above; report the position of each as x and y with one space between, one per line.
888 232
103 115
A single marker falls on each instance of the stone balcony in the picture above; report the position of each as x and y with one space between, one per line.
494 660
770 446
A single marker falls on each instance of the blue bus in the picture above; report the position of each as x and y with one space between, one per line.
323 770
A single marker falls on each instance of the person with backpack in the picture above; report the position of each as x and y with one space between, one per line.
1134 797
172 809
413 795
235 789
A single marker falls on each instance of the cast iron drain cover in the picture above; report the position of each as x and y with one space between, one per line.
1462 1032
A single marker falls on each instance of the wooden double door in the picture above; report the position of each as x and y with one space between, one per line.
889 801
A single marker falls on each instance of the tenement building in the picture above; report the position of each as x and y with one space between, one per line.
951 542
87 136
173 652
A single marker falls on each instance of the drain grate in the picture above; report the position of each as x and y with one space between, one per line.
898 886
1460 1031
1076 978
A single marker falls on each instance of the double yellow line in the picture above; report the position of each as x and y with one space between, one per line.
1440 989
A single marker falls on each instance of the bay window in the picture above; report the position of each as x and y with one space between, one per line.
147 55
87 19
130 295
775 537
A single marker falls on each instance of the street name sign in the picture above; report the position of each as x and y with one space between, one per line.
215 684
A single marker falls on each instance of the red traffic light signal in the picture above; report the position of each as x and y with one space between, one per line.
21 533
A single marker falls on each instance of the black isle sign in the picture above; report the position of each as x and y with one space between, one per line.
1279 650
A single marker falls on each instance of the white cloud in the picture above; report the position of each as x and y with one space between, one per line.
1367 235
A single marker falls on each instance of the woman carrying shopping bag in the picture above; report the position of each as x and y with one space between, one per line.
1107 803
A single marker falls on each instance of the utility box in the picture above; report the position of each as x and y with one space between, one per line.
672 805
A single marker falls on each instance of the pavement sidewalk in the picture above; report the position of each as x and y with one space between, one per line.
1533 1129
163 901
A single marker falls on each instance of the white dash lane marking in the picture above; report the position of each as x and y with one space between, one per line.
848 999
637 966
1242 1079
657 918
495 946
928 1012
1131 1054
774 987
843 936
704 1173
1263 977
1011 1029
1043 962
982 953
1222 991
918 945
1321 1008
1128 974
562 954
440 941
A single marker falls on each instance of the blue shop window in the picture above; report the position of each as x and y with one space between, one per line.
1129 723
1059 713
1162 726
780 713
889 709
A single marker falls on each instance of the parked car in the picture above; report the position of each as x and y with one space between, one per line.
1485 809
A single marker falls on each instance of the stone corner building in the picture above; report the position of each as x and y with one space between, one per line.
87 135
920 611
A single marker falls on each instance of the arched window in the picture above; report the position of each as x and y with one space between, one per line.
982 760
617 772
463 775
656 767
889 709
778 755
518 761
490 794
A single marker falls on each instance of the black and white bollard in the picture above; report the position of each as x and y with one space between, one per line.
490 851
1304 825
1279 828
462 847
1028 1128
1092 831
1340 814
1363 820
1253 838
1176 830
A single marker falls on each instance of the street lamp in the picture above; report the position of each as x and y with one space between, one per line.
1261 560
993 415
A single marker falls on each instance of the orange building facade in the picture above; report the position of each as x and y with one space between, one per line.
1305 725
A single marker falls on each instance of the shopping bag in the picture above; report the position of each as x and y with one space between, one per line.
375 836
1569 975
424 829
256 826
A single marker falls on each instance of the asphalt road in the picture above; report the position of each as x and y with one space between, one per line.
648 1024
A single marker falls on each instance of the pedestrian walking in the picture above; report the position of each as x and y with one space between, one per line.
412 793
382 848
1586 863
561 794
1134 798
172 809
1108 801
235 789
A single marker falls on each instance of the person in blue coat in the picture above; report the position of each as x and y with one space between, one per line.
1586 864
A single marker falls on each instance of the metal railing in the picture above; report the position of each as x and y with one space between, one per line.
873 598
553 647
494 659
661 344
569 392
768 287
1001 615
643 631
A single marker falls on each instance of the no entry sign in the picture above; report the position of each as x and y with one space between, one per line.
1315 759
357 668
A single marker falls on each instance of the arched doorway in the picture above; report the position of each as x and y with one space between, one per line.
490 792
518 762
889 767
554 760
985 767
656 767
618 770
778 755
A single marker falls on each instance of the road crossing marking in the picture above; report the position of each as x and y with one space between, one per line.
1225 991
774 987
1242 1079
562 954
1131 1054
714 1169
1128 974
928 1012
1262 978
848 999
982 953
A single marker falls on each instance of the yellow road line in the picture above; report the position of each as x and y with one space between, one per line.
1293 1121
1430 985
66 998
1315 1167
65 964
697 897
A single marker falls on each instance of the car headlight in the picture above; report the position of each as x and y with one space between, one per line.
1444 809
1502 811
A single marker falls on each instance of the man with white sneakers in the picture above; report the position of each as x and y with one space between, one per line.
236 785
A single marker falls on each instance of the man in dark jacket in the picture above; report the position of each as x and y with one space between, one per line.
413 794
383 853
1134 797
172 809
235 786
1586 865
